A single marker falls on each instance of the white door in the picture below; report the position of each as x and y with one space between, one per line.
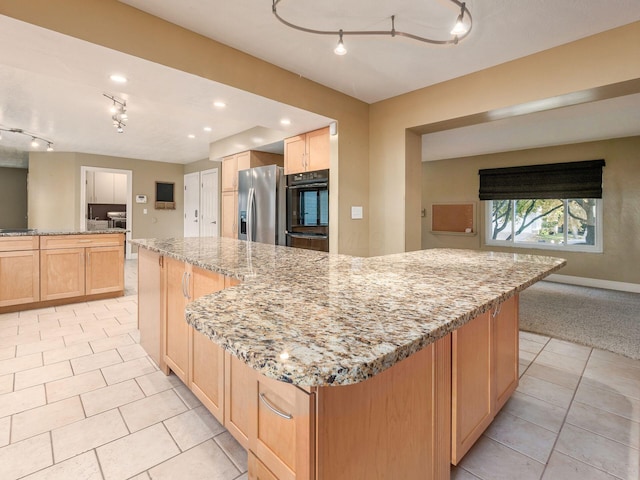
209 208
191 204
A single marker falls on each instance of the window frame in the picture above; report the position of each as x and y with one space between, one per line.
565 247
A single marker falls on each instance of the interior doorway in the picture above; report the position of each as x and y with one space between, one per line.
104 193
191 204
209 203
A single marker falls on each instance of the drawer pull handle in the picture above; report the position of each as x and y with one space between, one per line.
274 409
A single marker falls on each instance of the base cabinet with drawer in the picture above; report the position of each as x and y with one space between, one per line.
19 270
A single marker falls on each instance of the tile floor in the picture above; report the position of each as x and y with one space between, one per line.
79 399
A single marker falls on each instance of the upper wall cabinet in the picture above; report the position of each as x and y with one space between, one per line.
106 187
307 152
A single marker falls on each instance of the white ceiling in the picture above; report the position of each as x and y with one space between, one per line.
52 84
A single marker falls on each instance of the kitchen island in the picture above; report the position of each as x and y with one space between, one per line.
329 366
45 268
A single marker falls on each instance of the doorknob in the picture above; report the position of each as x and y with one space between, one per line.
214 222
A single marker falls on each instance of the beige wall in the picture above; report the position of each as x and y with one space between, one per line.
590 63
457 180
13 198
54 192
109 23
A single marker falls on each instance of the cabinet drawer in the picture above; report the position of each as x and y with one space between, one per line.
14 244
77 241
257 470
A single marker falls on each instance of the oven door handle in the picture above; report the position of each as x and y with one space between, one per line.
307 235
308 185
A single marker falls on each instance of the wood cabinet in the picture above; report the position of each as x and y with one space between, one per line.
484 373
150 301
257 469
238 386
307 152
106 187
103 269
231 165
62 273
19 270
176 330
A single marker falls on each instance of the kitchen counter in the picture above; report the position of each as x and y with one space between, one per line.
316 319
22 232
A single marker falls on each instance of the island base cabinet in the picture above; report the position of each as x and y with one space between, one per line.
207 373
19 277
150 302
62 273
176 334
238 379
257 470
506 351
104 272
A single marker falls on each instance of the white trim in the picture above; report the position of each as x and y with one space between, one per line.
218 221
594 282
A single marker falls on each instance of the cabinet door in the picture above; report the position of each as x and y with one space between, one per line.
243 161
176 330
149 302
229 214
471 386
257 470
120 188
207 358
505 328
19 277
281 428
239 382
62 273
104 269
229 173
295 154
103 187
318 150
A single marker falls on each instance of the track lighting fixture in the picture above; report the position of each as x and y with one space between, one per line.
35 139
119 112
461 29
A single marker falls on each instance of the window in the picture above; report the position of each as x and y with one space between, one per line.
563 224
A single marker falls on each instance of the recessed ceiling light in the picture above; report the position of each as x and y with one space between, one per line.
118 78
207 129
191 135
285 121
257 140
219 104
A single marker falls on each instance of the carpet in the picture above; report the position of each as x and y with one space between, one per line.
605 319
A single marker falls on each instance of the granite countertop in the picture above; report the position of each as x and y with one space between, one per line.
26 232
315 319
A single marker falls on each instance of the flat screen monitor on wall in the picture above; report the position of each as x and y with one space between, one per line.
164 196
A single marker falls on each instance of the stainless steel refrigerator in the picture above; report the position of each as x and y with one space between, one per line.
262 204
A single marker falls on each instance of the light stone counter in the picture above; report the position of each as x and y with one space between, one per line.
27 232
314 319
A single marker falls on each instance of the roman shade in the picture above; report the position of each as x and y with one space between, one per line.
554 180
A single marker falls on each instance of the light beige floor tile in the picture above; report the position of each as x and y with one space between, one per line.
82 467
561 362
136 453
527 357
8 331
66 353
127 319
525 437
233 449
459 473
39 346
107 314
7 352
42 419
37 311
61 331
245 476
14 402
19 339
193 427
130 305
189 399
110 343
71 307
602 377
536 411
5 431
87 434
204 462
99 324
157 381
23 458
48 373
147 411
608 400
547 391
77 320
121 330
76 385
531 347
95 361
491 460
127 370
6 383
622 369
615 358
600 452
142 476
603 423
107 398
89 336
131 352
522 368
90 308
39 327
135 336
562 467
567 348
554 375
534 337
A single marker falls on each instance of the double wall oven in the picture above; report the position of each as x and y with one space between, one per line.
308 210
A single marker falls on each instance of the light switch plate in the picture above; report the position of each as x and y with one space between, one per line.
356 213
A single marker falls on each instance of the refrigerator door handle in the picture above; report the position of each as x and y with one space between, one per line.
250 207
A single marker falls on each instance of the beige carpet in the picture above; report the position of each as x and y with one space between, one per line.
605 319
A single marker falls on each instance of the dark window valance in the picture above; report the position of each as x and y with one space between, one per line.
554 180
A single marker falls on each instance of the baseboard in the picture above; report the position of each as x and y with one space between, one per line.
594 282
